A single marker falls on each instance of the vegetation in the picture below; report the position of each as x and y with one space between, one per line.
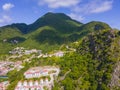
51 30
88 68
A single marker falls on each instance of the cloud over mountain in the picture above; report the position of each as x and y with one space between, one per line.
59 3
94 6
79 8
87 7
5 19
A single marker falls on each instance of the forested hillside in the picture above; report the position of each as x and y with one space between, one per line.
50 30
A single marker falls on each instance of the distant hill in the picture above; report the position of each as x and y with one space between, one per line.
60 21
50 29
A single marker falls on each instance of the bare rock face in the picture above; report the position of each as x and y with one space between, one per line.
115 80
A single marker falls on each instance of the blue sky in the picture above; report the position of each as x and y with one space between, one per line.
28 11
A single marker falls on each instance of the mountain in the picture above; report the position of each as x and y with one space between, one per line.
59 21
50 29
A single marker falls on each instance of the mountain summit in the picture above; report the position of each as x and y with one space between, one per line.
60 21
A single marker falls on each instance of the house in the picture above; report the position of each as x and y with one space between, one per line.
19 84
30 83
37 72
41 81
59 54
36 83
46 81
25 83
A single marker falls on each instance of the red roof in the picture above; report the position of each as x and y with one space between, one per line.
29 72
45 70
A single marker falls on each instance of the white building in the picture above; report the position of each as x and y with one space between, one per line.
30 83
33 85
21 50
59 54
25 83
20 84
36 83
38 72
41 81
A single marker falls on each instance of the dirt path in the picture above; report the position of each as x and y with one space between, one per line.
63 77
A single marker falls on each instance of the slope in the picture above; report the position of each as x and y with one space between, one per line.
103 47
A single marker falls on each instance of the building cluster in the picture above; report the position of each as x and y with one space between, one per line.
34 85
56 54
6 66
3 85
23 51
39 72
20 51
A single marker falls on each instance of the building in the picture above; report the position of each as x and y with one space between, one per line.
33 85
59 54
22 51
39 72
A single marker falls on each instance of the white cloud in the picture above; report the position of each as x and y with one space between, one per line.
76 16
87 7
7 6
105 6
84 6
94 6
5 19
59 3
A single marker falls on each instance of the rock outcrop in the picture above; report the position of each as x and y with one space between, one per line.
115 80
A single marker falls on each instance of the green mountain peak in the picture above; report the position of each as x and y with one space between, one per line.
51 28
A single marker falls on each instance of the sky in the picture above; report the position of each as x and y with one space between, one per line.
28 11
